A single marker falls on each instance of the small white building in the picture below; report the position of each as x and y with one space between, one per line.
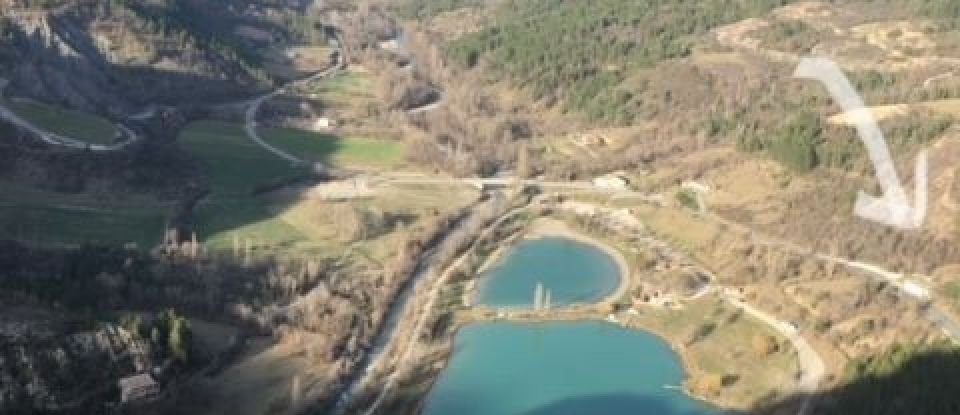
323 123
916 290
390 44
612 181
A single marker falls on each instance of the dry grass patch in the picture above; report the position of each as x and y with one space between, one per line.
296 62
262 383
677 225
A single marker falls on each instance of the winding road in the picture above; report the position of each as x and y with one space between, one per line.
905 284
812 368
59 140
253 106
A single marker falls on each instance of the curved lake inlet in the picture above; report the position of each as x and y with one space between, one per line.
571 272
562 368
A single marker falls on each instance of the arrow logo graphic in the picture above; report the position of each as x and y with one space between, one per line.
892 208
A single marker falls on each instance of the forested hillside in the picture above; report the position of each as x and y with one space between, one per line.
580 52
622 63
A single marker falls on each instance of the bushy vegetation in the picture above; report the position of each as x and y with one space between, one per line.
792 36
802 139
688 199
580 52
182 20
200 24
421 9
168 333
905 379
944 10
794 143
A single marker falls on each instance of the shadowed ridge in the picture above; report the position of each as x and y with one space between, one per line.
904 380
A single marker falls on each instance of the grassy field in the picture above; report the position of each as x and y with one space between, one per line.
339 151
351 88
352 83
234 167
73 124
232 163
726 351
287 222
54 218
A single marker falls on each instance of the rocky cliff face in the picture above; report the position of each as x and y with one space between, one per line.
47 367
108 58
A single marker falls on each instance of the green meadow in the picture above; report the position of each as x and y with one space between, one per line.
74 124
69 219
338 151
235 166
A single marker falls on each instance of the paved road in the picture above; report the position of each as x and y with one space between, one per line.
63 141
908 285
253 108
812 368
251 129
498 182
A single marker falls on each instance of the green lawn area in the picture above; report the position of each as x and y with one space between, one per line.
345 84
285 223
56 218
220 219
74 124
233 164
76 224
338 151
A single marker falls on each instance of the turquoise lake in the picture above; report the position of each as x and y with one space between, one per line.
558 368
573 272
583 368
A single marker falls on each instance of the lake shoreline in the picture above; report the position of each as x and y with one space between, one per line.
554 228
679 358
546 227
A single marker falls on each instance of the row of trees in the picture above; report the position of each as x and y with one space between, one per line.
168 332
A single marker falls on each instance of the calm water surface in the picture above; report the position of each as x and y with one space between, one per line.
561 368
583 368
573 272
